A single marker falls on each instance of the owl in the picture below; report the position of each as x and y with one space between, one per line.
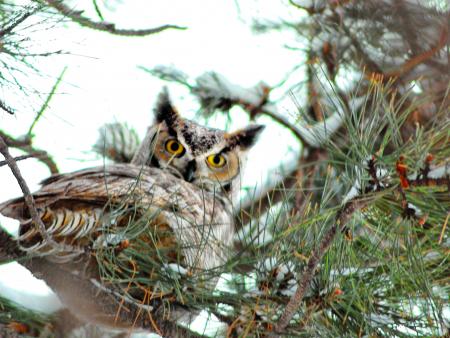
206 157
172 205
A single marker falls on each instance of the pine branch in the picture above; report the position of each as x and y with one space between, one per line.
216 92
255 206
342 218
17 321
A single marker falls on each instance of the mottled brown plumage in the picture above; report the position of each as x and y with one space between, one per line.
92 193
172 205
193 224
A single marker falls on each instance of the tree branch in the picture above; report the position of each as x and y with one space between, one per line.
24 157
271 112
342 218
13 23
77 17
25 145
29 200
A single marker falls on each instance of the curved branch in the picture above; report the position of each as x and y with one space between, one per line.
108 27
25 145
29 200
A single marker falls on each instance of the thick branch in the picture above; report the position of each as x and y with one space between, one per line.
341 219
77 17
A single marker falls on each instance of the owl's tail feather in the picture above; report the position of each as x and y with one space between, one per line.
15 208
72 226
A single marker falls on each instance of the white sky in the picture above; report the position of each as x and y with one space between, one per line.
103 84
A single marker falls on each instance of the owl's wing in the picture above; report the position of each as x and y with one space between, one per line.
73 208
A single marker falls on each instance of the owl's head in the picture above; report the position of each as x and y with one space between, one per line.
207 157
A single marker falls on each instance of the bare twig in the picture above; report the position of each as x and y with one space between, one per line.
29 200
24 157
25 145
273 114
77 17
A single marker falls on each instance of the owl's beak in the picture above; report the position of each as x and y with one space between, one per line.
190 170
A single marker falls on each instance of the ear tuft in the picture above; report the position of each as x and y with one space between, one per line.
164 111
246 138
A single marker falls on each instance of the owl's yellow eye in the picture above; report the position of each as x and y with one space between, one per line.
216 161
174 147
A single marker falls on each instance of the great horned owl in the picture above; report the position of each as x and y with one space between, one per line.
207 157
170 205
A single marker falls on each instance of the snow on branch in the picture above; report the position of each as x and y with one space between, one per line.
216 92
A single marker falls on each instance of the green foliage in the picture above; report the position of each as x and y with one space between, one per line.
14 319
